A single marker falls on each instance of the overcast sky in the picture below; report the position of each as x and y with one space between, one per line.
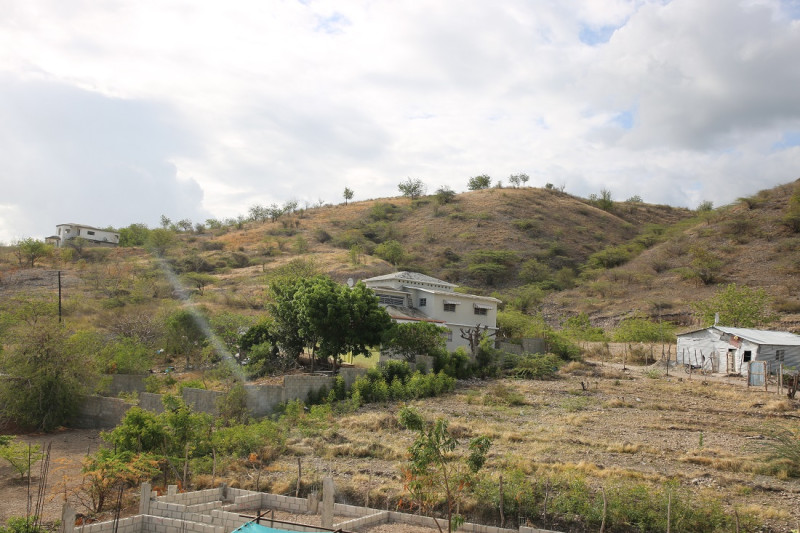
118 111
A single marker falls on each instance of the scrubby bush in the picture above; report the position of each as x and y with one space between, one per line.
537 366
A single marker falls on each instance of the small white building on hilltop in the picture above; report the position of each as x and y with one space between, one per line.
410 297
729 350
66 232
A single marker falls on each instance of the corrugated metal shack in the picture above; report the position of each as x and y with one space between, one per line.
729 350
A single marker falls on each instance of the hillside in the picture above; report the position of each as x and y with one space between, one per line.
630 257
746 243
480 239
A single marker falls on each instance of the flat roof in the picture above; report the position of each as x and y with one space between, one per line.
758 336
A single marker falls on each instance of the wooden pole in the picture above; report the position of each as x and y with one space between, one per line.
669 510
299 477
605 505
502 516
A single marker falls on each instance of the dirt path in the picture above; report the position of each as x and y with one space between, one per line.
68 447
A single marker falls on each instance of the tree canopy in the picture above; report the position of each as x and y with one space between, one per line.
413 188
410 339
326 318
738 306
48 370
479 182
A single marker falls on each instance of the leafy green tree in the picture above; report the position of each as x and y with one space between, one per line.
198 280
258 213
738 306
23 524
160 240
413 188
47 371
705 206
327 318
410 339
347 194
21 456
391 251
604 201
706 265
641 329
580 328
445 195
105 471
126 355
30 250
492 265
230 328
791 217
479 182
434 469
184 333
518 180
134 235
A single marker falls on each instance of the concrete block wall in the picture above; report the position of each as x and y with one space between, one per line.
99 412
263 399
284 503
416 520
159 524
244 501
204 508
151 402
381 517
133 524
350 374
298 387
201 400
193 498
125 383
167 510
342 509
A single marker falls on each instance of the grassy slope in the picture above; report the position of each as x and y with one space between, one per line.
755 249
556 228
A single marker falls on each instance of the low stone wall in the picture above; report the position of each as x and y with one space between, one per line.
125 383
524 346
199 512
99 412
151 402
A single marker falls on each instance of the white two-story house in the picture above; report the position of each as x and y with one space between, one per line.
65 232
409 297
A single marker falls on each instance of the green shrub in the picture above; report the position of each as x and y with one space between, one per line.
191 384
455 364
537 366
265 438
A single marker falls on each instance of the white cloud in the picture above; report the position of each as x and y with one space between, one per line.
257 102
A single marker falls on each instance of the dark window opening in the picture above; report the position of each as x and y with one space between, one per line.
747 356
481 311
450 308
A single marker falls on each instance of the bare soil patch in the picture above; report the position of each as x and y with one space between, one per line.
68 448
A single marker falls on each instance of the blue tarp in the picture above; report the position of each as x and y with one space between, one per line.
252 527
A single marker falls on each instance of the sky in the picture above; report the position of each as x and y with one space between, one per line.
116 112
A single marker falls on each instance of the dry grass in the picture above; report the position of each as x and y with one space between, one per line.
780 406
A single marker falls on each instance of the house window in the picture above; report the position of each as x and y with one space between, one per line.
450 308
423 302
448 335
481 311
89 232
779 355
391 300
